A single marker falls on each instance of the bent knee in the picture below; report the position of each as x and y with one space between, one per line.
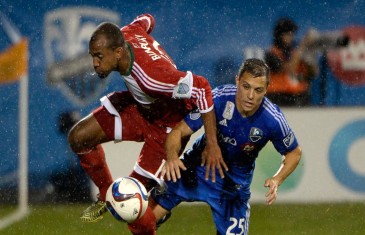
76 139
85 135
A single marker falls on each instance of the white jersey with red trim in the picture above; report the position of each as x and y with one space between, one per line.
154 76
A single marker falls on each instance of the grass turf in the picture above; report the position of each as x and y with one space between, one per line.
340 218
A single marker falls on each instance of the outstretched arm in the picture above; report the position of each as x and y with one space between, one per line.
173 147
212 155
289 163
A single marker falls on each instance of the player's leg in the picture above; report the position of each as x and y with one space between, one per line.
146 225
104 124
148 222
85 139
146 170
148 165
162 202
231 216
157 209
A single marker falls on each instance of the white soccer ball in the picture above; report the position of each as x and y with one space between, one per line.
127 199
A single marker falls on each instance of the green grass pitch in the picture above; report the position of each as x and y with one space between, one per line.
338 218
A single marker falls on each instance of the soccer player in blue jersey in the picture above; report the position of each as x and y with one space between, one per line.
246 121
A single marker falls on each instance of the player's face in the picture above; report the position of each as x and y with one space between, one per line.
105 59
250 93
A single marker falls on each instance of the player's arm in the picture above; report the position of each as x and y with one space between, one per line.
180 85
288 165
212 155
145 21
173 147
201 93
163 79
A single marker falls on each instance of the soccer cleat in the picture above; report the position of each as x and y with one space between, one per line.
94 212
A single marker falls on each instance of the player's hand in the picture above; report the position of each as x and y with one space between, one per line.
272 193
172 169
212 159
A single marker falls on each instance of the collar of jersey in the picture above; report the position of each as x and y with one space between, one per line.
132 59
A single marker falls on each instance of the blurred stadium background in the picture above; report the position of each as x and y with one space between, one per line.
46 85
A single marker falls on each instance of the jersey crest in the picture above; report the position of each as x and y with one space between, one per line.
255 134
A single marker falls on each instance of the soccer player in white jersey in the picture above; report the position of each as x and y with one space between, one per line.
246 122
158 97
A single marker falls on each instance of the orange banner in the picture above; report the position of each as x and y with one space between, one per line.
14 62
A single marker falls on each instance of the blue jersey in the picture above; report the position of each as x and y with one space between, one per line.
241 138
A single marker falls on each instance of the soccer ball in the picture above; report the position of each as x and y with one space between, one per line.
127 199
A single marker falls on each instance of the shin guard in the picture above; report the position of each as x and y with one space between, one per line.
94 163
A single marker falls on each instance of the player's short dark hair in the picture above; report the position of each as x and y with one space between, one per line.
255 67
112 32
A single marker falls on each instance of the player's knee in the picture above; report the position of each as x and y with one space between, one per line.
76 139
72 140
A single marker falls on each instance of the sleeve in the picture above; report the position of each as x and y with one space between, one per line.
194 120
283 137
158 76
285 144
197 88
175 84
145 21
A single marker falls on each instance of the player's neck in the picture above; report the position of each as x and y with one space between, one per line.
125 65
243 113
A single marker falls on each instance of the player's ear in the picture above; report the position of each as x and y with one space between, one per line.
267 85
119 52
237 80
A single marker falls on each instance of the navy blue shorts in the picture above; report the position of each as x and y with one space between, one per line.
230 206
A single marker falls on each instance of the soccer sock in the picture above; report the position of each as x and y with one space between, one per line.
146 225
95 165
